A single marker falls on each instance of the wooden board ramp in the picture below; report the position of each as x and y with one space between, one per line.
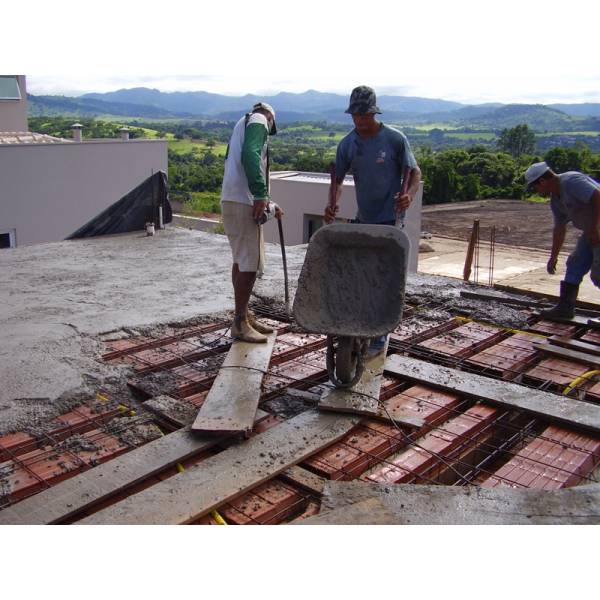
231 404
363 398
345 502
497 392
189 495
83 491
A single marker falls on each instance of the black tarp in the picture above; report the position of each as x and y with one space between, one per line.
133 211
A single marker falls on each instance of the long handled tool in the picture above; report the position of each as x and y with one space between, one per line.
332 187
401 216
285 272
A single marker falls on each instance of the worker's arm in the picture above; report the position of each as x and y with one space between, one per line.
594 230
254 140
558 238
404 201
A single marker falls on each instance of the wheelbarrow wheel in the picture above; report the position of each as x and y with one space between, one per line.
345 359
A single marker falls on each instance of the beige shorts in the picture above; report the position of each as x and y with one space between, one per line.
245 236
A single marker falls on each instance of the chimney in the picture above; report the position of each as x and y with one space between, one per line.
124 131
77 127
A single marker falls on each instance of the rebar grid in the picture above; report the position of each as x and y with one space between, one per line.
493 449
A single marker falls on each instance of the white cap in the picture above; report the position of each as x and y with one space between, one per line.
271 110
535 171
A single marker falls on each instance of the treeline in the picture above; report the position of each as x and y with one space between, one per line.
449 174
457 175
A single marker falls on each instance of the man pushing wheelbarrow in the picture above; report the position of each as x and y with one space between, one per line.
354 275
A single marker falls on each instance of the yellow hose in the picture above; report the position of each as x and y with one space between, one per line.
579 380
218 518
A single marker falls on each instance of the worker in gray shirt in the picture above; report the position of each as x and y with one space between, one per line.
574 197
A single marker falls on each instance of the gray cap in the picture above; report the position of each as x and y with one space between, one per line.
363 100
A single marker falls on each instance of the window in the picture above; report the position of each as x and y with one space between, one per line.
311 224
7 239
9 88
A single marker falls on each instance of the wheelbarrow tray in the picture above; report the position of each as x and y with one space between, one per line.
352 281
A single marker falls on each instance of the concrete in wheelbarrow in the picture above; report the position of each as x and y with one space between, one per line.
352 281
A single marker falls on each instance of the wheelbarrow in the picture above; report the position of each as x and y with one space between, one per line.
351 288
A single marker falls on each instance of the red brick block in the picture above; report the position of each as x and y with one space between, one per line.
557 458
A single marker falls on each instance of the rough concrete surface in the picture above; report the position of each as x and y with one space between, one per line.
57 299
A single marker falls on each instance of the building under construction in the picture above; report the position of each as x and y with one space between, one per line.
485 412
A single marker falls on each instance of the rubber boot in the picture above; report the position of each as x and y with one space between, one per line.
565 308
260 327
243 331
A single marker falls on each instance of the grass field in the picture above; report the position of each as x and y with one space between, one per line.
187 145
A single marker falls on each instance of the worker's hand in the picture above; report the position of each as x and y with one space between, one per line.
551 265
278 212
330 213
402 202
259 209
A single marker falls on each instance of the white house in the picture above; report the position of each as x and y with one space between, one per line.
50 187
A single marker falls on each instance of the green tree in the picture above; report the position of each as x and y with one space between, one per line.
517 141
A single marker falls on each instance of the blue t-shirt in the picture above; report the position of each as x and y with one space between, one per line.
377 165
575 200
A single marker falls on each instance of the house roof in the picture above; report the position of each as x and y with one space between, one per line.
29 137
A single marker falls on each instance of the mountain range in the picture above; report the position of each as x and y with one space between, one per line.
317 106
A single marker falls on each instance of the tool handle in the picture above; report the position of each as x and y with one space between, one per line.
401 216
332 186
285 273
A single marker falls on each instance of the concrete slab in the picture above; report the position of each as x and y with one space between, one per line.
521 268
448 505
55 297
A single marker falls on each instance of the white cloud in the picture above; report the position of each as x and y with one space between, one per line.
464 50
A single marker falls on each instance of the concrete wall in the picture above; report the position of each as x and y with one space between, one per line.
303 197
13 113
48 191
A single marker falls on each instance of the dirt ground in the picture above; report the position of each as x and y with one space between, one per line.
518 223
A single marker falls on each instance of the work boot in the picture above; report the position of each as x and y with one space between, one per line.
243 331
565 308
260 327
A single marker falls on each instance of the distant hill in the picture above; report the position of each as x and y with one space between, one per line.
318 106
88 107
585 109
311 101
537 116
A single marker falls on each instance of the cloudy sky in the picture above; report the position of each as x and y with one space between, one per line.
463 50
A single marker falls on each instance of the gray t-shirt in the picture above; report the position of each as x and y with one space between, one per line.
377 166
575 201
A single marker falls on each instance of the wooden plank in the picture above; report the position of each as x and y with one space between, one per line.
503 393
576 355
368 512
363 398
305 479
494 297
189 495
69 497
231 404
469 505
575 345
